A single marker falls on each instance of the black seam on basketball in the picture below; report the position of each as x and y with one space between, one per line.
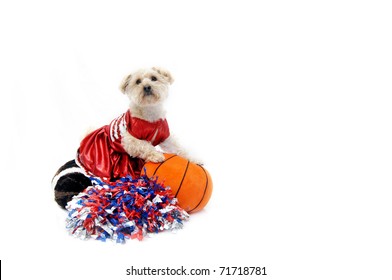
205 189
155 172
183 177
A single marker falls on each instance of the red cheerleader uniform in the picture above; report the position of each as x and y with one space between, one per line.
101 153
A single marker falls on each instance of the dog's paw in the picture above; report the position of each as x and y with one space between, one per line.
155 157
195 160
191 158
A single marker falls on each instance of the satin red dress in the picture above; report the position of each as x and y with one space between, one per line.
101 153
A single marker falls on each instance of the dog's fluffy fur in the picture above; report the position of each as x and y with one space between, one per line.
147 89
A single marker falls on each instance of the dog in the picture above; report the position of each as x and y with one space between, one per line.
147 90
122 147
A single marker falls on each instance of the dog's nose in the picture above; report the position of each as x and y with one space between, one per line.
147 89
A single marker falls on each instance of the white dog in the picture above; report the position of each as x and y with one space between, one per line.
104 152
147 89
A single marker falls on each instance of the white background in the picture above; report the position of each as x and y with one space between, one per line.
288 103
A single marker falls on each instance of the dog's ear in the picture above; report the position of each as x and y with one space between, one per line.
125 83
164 73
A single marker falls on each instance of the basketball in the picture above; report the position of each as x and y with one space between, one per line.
190 183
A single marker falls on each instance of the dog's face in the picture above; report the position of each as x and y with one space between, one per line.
147 87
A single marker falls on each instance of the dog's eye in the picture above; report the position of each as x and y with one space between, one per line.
138 81
153 78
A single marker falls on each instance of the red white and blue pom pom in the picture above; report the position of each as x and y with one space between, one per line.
127 208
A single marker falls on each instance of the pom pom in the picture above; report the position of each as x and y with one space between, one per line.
126 208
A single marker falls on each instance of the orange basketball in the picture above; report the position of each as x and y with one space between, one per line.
190 183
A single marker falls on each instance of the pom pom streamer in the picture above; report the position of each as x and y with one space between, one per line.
126 208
